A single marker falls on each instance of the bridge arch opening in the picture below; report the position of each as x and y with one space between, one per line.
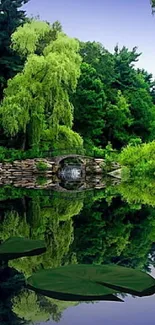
71 168
71 160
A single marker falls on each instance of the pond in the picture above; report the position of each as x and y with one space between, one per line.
111 226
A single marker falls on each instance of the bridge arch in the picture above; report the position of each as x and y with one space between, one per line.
61 159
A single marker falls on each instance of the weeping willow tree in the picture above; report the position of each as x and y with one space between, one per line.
48 219
37 99
14 225
34 308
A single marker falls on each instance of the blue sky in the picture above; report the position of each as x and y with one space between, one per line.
126 22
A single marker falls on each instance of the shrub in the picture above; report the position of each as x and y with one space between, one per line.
41 181
41 166
139 159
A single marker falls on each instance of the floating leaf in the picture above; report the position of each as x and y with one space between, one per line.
18 247
90 282
63 287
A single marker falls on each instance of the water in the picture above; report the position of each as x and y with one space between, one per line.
112 225
71 173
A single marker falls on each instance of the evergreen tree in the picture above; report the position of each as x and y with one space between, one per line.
124 71
101 60
118 120
10 18
89 102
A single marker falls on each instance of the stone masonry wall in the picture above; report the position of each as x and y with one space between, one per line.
25 173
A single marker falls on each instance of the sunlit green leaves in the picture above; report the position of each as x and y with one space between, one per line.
40 94
26 38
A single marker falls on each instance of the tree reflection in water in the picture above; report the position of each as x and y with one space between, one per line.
101 227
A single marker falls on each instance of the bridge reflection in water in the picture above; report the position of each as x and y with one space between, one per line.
72 177
71 172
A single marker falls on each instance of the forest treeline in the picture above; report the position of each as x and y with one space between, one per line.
58 92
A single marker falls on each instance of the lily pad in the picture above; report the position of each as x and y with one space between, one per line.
19 247
63 287
90 282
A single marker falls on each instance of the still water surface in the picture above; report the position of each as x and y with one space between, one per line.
112 225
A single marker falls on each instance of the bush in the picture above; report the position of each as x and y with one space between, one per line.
41 166
140 159
125 173
41 181
10 154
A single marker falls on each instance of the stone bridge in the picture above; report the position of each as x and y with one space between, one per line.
22 172
88 164
91 165
80 158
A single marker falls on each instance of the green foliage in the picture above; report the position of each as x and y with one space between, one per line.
109 230
89 103
138 190
13 226
108 101
41 180
118 120
91 282
125 73
26 38
41 166
18 247
139 159
66 139
113 101
105 230
121 108
101 235
142 110
48 219
11 16
27 307
9 155
39 96
31 307
135 141
98 152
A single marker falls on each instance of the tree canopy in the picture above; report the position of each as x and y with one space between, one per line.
68 93
113 101
38 97
11 16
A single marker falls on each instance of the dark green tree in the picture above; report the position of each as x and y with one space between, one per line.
121 232
89 102
102 61
124 70
11 16
118 120
143 113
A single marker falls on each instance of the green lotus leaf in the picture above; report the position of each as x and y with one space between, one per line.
63 287
19 247
90 282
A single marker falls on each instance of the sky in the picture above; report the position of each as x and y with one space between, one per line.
110 22
134 311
